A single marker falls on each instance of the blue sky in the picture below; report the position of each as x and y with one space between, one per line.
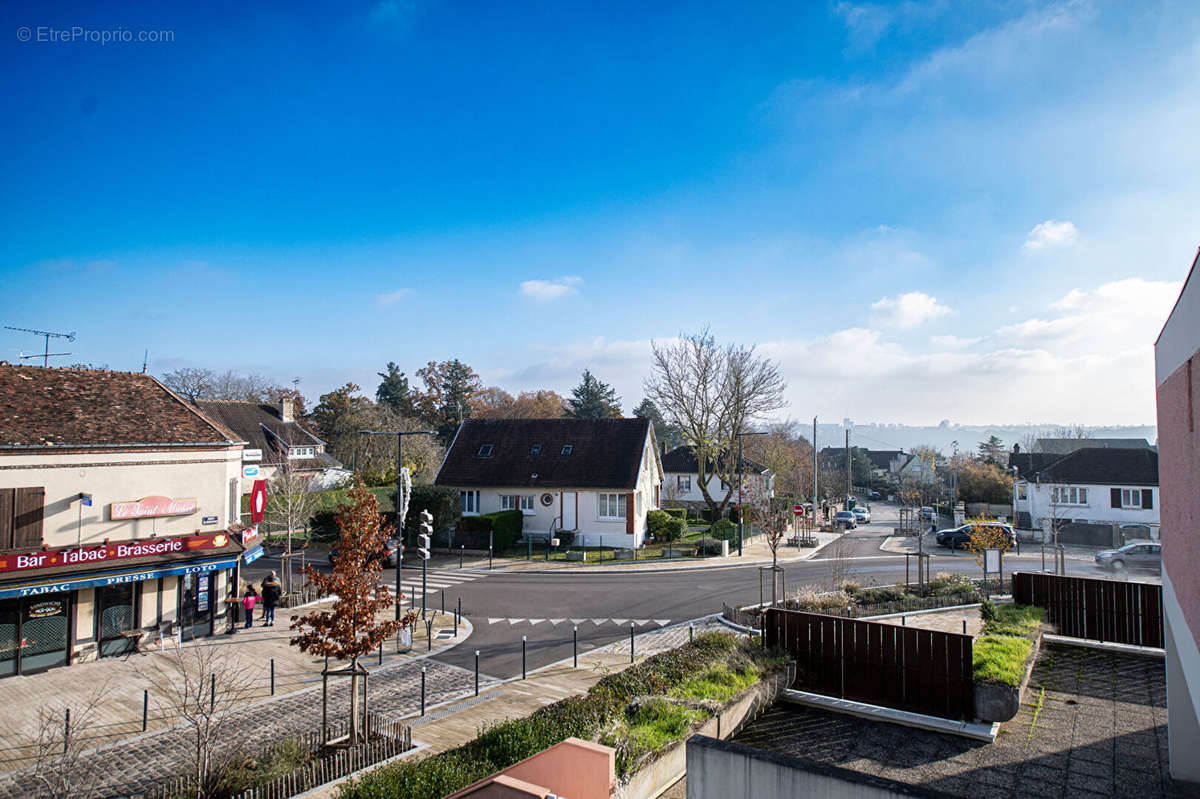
979 212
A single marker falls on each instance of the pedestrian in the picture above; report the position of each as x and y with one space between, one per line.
249 600
232 603
271 590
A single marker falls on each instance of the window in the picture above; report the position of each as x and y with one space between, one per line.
1131 498
1023 491
611 506
516 502
470 502
566 450
684 482
1068 495
536 449
486 451
300 452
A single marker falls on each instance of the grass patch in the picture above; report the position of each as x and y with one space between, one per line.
655 725
718 683
1000 652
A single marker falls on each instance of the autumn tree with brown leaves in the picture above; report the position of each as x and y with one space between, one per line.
353 626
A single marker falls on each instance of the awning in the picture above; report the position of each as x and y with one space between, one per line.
253 554
38 587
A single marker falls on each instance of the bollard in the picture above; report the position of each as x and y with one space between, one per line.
66 730
631 643
964 625
380 656
476 672
273 675
691 633
422 690
457 613
145 709
443 600
903 621
429 635
575 647
522 657
461 549
489 557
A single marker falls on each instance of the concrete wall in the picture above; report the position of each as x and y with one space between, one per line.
723 769
1177 367
202 474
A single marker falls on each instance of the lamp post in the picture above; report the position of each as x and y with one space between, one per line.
399 468
741 511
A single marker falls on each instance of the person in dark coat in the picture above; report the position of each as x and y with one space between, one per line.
271 591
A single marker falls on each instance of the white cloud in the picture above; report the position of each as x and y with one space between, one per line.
908 310
393 297
547 290
954 342
1049 234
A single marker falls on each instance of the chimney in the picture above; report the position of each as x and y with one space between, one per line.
285 409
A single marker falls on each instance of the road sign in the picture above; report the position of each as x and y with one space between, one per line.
250 472
86 499
798 510
258 501
251 455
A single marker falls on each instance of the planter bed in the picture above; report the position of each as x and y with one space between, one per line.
1004 654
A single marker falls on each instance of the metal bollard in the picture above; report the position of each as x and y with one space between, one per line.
443 600
691 633
212 693
489 557
476 672
575 647
462 548
66 730
380 655
903 621
522 657
457 613
145 709
631 643
422 690
429 635
273 676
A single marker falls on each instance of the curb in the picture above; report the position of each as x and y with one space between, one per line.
978 732
1105 646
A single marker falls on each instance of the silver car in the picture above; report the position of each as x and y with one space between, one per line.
1138 555
862 515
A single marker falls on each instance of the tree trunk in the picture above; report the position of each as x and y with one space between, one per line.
354 700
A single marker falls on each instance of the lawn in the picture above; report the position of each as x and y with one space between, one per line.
1000 651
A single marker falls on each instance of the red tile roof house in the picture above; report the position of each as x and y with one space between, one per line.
1177 367
596 477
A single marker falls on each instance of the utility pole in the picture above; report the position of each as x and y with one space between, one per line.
814 496
847 468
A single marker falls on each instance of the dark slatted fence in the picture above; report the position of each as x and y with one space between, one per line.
923 671
1102 610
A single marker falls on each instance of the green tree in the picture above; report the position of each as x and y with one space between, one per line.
991 450
668 435
394 391
446 402
338 417
593 399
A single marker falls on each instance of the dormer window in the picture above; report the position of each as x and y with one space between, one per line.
536 449
486 451
566 450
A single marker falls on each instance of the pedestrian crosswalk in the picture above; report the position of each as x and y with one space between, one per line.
578 622
436 580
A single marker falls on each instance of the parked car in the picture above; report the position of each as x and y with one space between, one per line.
874 495
845 518
956 537
928 513
862 514
387 555
1138 555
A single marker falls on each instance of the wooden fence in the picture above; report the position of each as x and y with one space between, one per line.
387 739
1101 610
923 671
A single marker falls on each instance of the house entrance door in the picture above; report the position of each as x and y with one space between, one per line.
570 504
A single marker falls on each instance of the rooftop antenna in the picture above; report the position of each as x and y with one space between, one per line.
45 356
145 361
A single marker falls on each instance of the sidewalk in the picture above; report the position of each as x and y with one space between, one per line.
293 707
753 552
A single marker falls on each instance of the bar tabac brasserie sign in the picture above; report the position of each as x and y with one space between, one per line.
107 553
150 507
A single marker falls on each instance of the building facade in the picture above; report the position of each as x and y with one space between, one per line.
119 516
681 480
1177 374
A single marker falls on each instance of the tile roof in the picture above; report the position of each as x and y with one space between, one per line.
605 453
252 420
683 460
52 407
1065 446
1030 463
1099 466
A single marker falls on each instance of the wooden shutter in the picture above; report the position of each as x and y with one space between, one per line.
1148 498
8 499
1116 497
27 518
630 517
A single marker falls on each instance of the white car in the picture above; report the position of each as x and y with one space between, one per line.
862 515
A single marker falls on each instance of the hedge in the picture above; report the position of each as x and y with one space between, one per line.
656 523
678 513
585 716
505 526
440 501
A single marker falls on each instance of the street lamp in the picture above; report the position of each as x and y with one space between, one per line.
399 468
741 512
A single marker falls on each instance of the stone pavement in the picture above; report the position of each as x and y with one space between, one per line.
133 758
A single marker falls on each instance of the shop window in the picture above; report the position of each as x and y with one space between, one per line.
116 615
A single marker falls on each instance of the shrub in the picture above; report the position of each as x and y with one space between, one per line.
987 611
679 513
440 501
656 523
708 546
675 529
882 594
851 586
566 538
723 530
946 584
504 525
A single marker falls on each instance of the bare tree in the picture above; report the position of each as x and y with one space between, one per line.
202 686
188 382
712 393
291 502
58 747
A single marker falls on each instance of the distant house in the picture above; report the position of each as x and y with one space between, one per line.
1094 496
1065 446
274 431
681 479
596 477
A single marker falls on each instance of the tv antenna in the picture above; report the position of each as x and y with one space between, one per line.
45 356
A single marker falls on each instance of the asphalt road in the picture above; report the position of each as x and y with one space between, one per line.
503 606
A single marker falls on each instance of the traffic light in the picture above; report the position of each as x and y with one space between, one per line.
425 537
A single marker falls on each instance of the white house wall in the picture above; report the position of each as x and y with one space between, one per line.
598 532
1098 510
694 494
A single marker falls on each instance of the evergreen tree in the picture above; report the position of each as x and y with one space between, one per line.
446 402
393 391
593 399
667 434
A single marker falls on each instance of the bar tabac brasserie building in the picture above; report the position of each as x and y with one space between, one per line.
119 516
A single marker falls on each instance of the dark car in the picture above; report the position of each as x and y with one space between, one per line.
387 555
874 495
956 537
845 518
1138 555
